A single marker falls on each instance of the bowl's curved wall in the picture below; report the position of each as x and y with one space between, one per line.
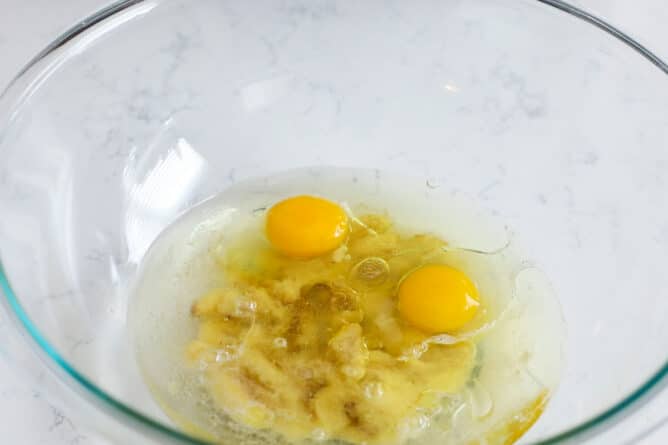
556 126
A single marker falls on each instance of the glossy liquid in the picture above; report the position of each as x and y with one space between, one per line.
506 361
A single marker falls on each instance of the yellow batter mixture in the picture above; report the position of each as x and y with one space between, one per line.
316 347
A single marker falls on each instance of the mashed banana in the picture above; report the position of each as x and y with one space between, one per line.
315 348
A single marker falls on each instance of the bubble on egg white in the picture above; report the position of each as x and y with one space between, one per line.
227 354
245 309
414 426
372 271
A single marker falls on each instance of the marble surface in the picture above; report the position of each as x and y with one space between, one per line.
26 26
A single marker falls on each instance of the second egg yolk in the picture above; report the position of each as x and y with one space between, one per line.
437 299
306 226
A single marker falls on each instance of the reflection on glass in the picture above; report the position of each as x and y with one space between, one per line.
158 186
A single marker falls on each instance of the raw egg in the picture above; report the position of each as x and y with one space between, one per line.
306 226
438 298
347 306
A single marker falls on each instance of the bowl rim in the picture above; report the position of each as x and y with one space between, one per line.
49 354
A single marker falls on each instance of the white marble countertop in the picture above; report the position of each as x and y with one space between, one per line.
26 26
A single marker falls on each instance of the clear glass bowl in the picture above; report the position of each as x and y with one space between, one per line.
148 107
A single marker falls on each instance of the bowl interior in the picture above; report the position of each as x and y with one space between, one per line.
554 125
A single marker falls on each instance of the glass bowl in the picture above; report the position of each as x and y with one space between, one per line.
148 107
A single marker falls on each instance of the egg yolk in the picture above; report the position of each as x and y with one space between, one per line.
437 299
306 226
